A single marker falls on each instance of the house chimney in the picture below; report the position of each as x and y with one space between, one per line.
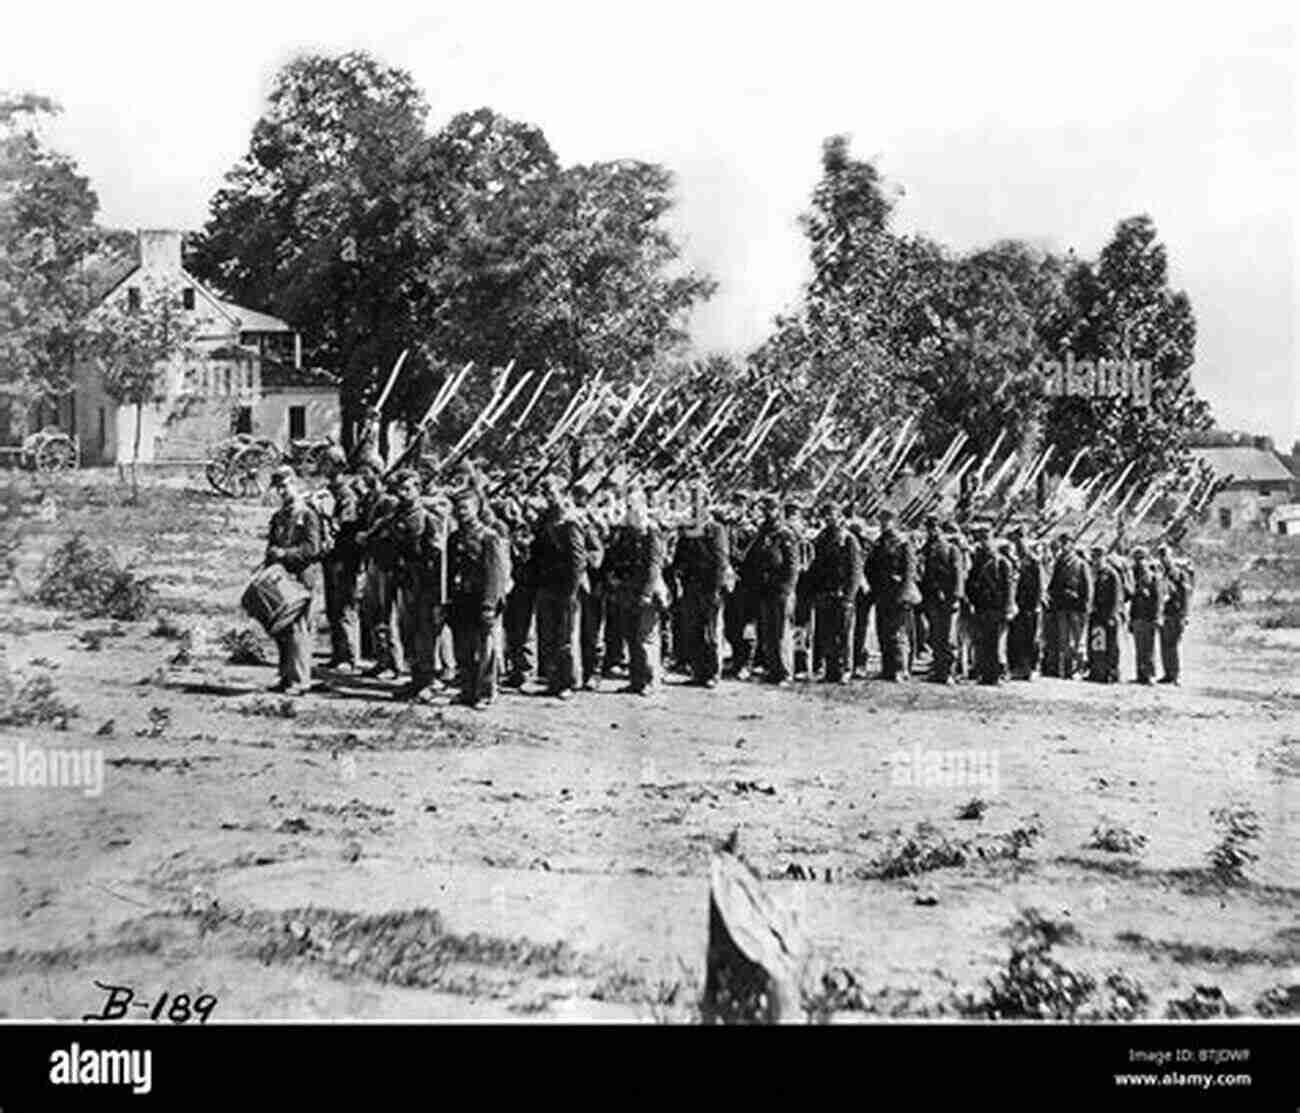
160 249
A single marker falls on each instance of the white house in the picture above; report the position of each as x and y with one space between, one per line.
1260 484
246 376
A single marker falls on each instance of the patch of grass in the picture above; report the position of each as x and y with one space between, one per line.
1288 618
1231 594
1205 1002
1238 827
1114 838
927 848
271 708
973 809
35 703
1278 1001
168 627
243 646
88 581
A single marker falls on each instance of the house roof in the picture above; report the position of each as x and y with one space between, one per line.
1246 465
250 320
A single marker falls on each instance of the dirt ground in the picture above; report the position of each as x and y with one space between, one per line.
345 855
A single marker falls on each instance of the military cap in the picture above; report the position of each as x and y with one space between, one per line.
1139 550
282 474
930 520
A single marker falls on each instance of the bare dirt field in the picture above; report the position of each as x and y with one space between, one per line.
345 855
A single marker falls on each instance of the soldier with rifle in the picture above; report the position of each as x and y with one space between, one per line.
559 561
1069 592
1179 581
1146 612
591 593
834 579
740 605
416 537
701 565
378 575
342 566
637 564
1031 593
891 572
991 591
477 574
772 568
862 601
518 621
1105 617
942 591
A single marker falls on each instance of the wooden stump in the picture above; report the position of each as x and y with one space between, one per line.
754 950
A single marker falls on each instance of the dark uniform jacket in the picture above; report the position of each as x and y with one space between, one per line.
1070 588
373 512
638 568
772 566
475 562
943 572
1148 594
703 557
891 568
559 555
347 521
1179 582
991 583
297 531
1108 593
1031 582
593 547
836 567
415 536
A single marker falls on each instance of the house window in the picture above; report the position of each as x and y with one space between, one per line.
297 422
103 431
243 420
1264 490
187 297
133 298
1225 518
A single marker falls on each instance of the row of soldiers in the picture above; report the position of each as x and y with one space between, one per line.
462 588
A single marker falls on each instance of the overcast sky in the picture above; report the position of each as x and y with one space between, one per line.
996 119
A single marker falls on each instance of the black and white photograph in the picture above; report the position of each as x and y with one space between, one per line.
676 514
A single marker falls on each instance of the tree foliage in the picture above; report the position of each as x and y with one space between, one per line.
48 241
470 243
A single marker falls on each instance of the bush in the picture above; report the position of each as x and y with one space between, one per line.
1230 595
1238 827
1116 839
243 646
1286 619
36 702
86 579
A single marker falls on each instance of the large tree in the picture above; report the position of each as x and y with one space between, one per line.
48 243
470 243
308 223
1122 308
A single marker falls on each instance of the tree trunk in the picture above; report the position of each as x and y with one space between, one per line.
135 452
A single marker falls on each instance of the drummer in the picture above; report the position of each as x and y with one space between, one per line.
294 542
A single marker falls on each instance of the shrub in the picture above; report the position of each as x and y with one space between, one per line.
35 702
1238 827
243 646
1116 839
86 579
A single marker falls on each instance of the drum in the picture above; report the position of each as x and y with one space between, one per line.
275 599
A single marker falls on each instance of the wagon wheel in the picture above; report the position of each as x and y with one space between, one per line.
250 471
219 475
55 454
